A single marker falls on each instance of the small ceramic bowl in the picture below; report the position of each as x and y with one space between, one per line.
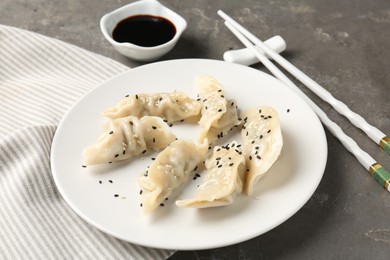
143 7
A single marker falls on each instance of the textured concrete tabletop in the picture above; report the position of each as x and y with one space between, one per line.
343 45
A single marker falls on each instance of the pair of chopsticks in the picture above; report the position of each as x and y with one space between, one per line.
373 167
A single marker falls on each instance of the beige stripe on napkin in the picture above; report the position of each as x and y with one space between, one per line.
40 79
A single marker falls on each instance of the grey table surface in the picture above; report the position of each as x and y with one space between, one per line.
343 45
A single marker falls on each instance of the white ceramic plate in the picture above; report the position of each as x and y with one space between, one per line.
287 187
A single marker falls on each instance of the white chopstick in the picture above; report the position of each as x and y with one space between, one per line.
378 172
372 132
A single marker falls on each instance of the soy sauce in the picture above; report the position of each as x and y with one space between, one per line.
144 30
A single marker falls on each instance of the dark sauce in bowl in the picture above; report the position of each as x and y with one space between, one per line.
144 30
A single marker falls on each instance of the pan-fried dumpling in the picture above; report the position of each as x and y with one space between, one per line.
219 115
262 141
128 137
171 107
169 171
223 181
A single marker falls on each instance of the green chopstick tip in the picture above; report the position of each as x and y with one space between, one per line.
385 144
386 147
382 176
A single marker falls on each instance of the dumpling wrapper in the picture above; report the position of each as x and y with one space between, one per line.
128 137
222 182
172 107
169 171
219 115
262 142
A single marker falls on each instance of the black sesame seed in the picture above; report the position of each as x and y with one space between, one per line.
219 166
194 178
154 127
269 131
136 96
220 90
154 140
170 125
253 142
246 133
160 99
257 147
261 136
140 192
140 205
116 195
260 111
166 121
131 123
232 104
110 181
197 175
288 110
269 116
219 149
161 204
111 132
109 162
127 96
222 96
166 198
219 110
144 151
153 158
238 145
231 164
195 168
247 170
100 182
84 166
116 155
258 157
204 100
218 158
250 157
124 152
237 151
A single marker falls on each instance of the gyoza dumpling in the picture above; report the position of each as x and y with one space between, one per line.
169 171
222 182
172 107
262 141
218 114
128 137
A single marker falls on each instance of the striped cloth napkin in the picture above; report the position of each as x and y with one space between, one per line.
40 79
